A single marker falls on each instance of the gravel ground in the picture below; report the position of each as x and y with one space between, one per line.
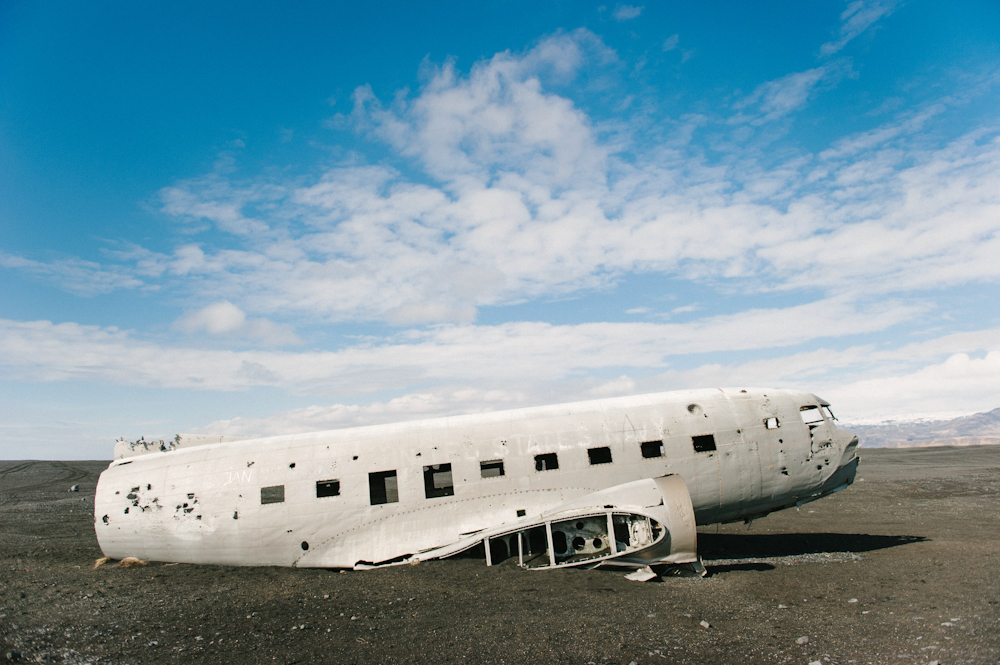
903 567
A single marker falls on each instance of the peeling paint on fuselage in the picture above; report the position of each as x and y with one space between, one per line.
219 502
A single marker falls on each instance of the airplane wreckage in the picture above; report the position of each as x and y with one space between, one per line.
622 482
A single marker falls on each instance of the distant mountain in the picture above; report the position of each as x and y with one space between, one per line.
977 429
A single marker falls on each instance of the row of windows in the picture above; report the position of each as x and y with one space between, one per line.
383 486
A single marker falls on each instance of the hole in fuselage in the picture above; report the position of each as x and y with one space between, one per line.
559 542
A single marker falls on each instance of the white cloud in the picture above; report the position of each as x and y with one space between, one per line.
225 318
412 406
371 245
858 17
959 384
221 317
82 278
215 200
946 375
498 122
627 12
955 374
501 188
524 351
526 197
779 98
623 385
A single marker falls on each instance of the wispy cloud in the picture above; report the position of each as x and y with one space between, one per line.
623 385
953 373
627 12
77 276
521 351
781 97
858 17
437 402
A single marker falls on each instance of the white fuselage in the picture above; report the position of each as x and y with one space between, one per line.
330 499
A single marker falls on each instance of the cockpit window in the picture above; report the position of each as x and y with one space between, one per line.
811 415
828 413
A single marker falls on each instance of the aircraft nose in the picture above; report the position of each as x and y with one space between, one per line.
849 441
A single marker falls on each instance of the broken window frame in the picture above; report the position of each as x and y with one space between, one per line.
272 494
813 412
599 455
704 443
379 487
327 488
647 447
547 462
435 478
486 468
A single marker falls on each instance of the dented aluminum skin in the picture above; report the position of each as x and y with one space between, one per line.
635 476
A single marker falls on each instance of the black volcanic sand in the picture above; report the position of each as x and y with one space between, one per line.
903 567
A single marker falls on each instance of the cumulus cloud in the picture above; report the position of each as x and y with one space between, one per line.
858 17
222 317
498 122
225 318
526 197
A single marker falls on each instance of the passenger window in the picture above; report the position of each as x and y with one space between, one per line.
599 455
327 488
651 449
273 494
383 487
703 443
437 481
771 423
546 462
491 469
811 415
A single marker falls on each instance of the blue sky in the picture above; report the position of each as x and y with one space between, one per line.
253 218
